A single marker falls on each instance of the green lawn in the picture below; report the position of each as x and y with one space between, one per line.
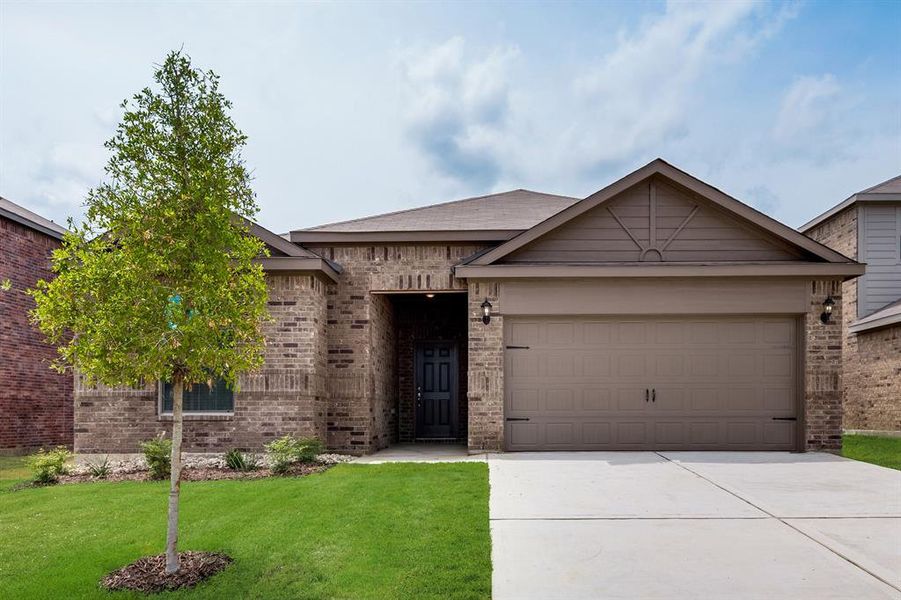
883 451
355 531
12 470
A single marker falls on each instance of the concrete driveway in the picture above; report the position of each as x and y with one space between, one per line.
693 525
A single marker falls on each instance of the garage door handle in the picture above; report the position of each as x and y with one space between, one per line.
517 347
517 418
654 395
646 394
785 418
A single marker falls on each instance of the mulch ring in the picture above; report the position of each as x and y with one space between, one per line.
149 575
298 470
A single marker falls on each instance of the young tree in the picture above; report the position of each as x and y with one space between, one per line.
159 281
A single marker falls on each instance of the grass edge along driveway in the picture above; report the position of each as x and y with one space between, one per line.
355 531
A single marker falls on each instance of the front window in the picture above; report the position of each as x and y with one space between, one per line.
200 398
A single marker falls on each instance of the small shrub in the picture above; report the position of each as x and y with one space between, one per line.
158 454
100 470
238 461
288 450
47 466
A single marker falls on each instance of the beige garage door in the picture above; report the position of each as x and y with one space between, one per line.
724 383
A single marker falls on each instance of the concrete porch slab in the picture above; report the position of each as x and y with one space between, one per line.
421 453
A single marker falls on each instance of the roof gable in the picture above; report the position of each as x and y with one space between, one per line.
659 213
653 221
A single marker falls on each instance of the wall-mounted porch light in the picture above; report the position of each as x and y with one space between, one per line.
828 305
486 312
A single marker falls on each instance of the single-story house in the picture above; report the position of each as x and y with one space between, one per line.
656 313
35 402
867 227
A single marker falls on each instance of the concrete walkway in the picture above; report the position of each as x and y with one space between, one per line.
421 453
693 525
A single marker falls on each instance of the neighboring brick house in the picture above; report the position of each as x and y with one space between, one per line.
657 313
867 227
35 402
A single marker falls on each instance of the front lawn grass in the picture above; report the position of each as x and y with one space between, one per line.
12 470
882 451
355 531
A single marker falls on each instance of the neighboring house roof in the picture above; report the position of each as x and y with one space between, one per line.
22 215
885 316
494 217
887 191
830 261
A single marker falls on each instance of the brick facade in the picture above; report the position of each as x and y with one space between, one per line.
288 395
339 362
35 402
360 420
871 361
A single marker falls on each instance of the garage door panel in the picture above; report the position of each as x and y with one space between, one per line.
719 382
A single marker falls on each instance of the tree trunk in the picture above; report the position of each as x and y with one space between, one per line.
172 562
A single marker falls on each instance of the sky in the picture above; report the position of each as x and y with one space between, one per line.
353 109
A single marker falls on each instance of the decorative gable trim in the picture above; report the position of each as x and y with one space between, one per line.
731 206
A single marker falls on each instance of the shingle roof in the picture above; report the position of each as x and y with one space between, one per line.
22 215
885 316
887 191
514 210
892 186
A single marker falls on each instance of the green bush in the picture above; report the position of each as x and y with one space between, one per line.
158 454
238 461
47 466
288 450
100 470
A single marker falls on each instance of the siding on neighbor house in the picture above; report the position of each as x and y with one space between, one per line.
871 361
35 401
879 230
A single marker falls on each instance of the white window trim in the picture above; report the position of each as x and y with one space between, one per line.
189 413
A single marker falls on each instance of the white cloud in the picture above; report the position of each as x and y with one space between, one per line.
457 109
480 124
808 105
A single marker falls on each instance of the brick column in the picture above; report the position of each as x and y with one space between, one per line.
485 395
823 370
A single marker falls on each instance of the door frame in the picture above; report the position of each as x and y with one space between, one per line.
418 346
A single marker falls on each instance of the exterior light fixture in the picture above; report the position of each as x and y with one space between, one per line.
430 295
828 305
486 312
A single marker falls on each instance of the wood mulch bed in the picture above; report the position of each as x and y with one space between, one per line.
191 474
149 575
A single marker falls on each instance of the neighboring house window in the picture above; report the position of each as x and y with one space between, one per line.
200 398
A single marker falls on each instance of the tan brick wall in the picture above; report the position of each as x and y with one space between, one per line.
823 370
486 369
383 392
871 362
357 420
286 396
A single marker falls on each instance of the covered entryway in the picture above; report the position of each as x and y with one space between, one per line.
651 383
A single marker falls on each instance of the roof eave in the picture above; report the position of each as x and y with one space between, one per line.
12 216
847 203
773 269
873 324
295 265
359 237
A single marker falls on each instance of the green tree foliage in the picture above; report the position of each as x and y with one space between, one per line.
159 282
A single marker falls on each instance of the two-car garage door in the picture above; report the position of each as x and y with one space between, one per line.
681 383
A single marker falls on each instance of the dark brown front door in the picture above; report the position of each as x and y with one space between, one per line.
436 390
